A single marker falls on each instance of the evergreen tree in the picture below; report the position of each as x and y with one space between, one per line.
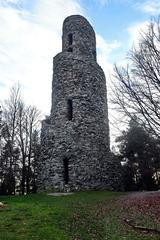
137 153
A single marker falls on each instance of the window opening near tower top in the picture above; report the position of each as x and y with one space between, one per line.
70 38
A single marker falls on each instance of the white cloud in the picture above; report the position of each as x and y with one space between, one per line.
135 32
52 13
14 3
105 47
10 1
28 42
104 50
149 6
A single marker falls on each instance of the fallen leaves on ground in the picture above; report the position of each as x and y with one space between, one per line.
142 209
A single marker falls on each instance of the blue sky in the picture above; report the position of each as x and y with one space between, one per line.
30 36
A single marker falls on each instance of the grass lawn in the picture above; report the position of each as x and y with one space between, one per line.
82 216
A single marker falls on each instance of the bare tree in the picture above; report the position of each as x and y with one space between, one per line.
33 124
137 89
28 122
34 159
22 141
20 122
9 131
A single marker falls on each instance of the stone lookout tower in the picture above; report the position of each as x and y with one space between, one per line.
75 151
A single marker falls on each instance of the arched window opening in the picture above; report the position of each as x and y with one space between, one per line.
66 170
69 109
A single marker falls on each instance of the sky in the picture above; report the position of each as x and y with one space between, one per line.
30 36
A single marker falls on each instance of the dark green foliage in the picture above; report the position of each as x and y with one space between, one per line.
139 153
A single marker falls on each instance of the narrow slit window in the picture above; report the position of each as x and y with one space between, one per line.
69 109
70 39
66 170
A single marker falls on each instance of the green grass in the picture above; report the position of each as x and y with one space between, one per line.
82 216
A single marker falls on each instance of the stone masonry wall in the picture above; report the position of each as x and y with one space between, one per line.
75 153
